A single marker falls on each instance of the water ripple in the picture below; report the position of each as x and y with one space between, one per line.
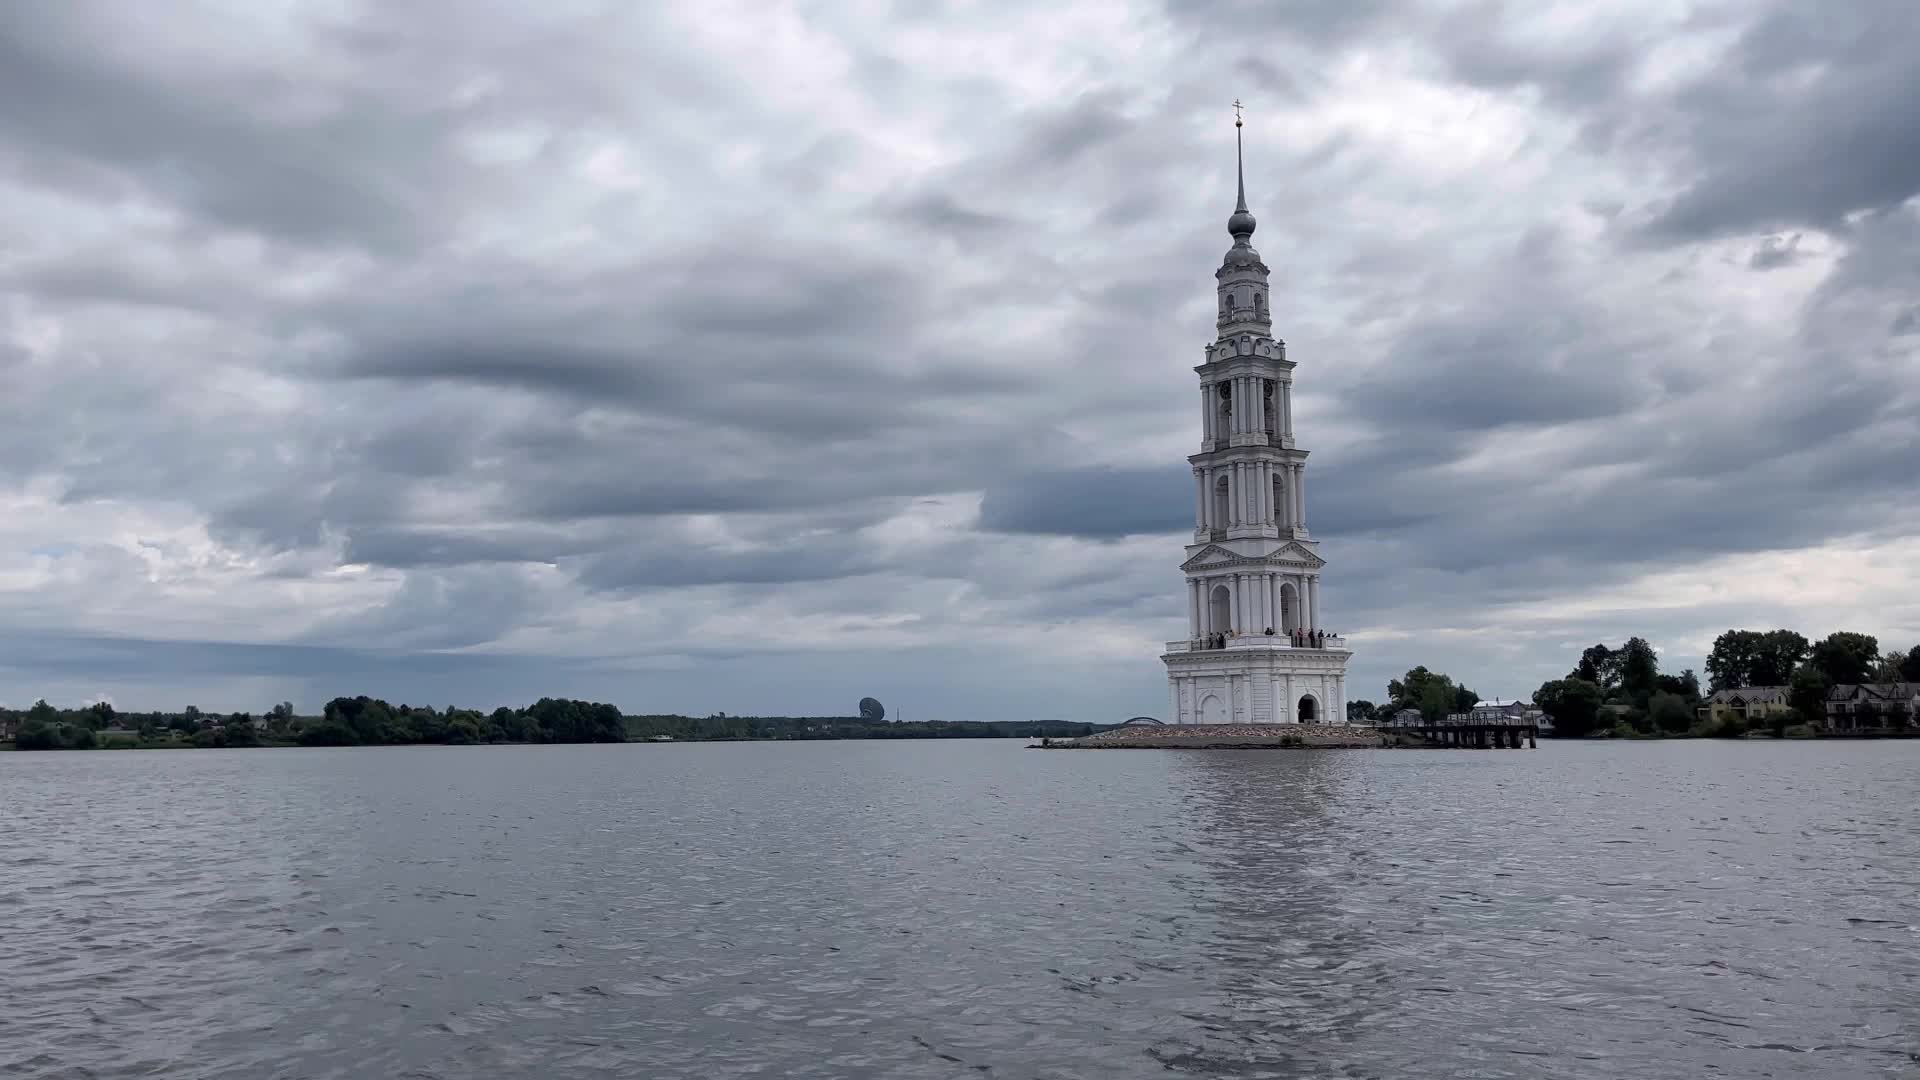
945 910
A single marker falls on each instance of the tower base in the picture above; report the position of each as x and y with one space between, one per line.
1256 680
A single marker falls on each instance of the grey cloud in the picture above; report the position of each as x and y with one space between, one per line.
1097 503
1775 252
489 306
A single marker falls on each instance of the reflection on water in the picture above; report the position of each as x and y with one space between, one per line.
939 910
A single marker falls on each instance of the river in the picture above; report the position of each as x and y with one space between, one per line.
962 909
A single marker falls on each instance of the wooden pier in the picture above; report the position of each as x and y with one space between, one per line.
1475 734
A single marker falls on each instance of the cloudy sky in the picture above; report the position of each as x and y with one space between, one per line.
754 357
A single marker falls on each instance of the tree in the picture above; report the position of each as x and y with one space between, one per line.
1409 692
1573 705
1362 712
1778 654
1639 667
98 715
1670 713
1598 665
1464 699
1751 658
1437 700
1808 693
1686 685
1910 667
1846 657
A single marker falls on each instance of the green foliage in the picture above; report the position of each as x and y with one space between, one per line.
1362 712
1846 657
36 734
1910 666
1639 668
1671 714
1753 658
1434 694
119 741
1598 665
1572 704
1685 685
1726 726
1808 693
1798 731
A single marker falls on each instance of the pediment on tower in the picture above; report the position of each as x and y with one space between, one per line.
1295 554
1209 556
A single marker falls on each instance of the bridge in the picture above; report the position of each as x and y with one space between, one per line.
1142 721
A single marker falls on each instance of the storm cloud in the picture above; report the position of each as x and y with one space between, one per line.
442 350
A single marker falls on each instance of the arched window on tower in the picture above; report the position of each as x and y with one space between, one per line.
1258 303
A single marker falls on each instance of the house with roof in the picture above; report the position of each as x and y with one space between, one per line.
1861 707
1751 705
1498 710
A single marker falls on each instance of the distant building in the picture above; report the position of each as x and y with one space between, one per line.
1495 710
1748 704
1404 718
1872 706
8 726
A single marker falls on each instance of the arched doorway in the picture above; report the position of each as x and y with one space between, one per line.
1220 609
1213 710
1309 709
1289 608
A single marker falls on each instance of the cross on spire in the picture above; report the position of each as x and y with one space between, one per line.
1239 157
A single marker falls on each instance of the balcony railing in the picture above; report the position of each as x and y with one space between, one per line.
1254 641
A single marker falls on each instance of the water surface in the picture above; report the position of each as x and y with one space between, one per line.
962 909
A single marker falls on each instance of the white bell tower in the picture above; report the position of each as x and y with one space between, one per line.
1256 649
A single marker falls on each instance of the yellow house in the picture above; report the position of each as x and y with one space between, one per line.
1752 705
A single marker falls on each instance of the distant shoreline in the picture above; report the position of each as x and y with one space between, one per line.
365 721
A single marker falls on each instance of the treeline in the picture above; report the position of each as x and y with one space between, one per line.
720 726
368 721
355 721
1622 690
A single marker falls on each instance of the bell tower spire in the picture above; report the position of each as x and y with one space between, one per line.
1240 172
1242 276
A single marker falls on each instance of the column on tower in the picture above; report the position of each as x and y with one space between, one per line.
1206 413
1300 485
1313 602
1286 409
1299 515
1199 499
1239 493
1273 601
1193 609
1266 493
